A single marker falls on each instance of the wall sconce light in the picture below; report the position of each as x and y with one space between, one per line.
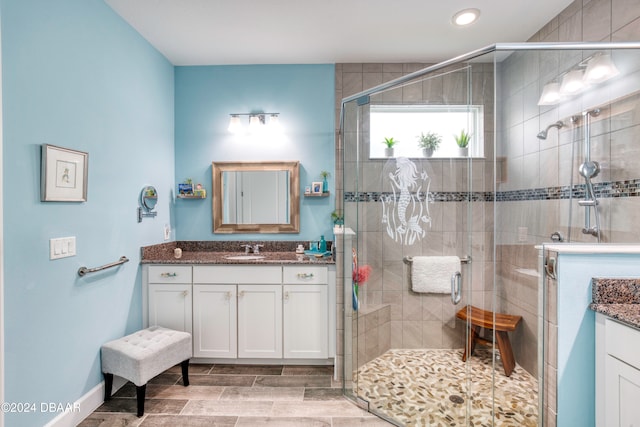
256 121
596 69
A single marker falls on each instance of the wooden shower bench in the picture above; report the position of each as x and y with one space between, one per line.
484 319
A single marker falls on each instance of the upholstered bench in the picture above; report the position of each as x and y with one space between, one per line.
143 355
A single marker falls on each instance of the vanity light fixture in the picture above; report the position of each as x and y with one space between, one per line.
465 17
256 120
594 70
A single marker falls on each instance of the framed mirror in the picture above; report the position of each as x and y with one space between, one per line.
256 197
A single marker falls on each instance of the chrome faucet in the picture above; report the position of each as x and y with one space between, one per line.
256 248
247 248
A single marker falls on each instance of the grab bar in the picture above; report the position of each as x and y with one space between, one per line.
84 270
408 260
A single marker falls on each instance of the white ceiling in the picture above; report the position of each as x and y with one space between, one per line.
216 32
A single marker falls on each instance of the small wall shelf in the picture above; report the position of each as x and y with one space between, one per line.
185 196
318 194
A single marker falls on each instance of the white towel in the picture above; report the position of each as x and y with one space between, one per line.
432 274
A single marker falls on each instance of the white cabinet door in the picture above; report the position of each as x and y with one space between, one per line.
260 321
214 321
622 394
305 309
170 306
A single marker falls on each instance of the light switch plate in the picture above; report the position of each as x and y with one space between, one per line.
62 247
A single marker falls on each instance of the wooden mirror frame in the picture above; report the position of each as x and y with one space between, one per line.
293 167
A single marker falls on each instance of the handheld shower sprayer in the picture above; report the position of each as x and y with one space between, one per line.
543 133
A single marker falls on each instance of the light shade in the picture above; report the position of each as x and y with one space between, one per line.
254 122
465 17
550 94
600 68
234 124
572 82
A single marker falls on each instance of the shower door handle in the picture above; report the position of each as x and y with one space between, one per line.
456 287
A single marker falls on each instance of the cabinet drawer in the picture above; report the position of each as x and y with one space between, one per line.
169 274
232 274
304 274
623 342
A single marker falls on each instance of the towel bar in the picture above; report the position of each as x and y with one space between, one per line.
84 270
466 260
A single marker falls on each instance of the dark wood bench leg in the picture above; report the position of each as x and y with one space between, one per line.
471 342
185 372
108 385
506 353
140 392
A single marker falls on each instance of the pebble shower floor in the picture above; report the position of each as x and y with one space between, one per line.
422 388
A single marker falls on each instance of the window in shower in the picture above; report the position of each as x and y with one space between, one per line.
405 123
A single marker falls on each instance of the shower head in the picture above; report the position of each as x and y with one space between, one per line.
543 133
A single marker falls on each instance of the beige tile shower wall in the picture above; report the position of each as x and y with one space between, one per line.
418 320
532 163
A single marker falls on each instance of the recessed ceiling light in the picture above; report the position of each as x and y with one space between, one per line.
465 17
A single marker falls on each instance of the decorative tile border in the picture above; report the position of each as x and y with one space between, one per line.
603 190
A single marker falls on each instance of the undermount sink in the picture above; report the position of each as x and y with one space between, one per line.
245 257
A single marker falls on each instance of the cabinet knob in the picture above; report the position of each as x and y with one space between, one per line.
286 295
229 295
185 293
305 275
241 293
168 274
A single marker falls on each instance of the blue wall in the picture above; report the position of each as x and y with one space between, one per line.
76 75
576 330
304 97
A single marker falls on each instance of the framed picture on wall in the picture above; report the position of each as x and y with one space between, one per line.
63 175
316 187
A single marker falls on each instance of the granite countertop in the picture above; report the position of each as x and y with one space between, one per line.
215 252
618 299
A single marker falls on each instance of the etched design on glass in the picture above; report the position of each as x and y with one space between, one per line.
405 211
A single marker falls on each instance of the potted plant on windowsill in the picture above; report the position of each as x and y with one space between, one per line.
389 142
462 140
429 142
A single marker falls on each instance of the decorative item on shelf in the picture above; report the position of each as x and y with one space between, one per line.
200 191
307 189
359 276
325 184
316 187
338 218
429 142
186 188
389 142
462 140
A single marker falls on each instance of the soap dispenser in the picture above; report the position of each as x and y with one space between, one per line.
323 245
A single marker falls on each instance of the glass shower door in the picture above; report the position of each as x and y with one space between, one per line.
404 335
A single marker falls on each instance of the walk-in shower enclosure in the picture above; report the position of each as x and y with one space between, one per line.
521 181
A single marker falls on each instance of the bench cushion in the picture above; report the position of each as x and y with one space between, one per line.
144 354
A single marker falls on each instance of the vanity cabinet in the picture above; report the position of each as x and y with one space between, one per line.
246 312
215 321
617 373
260 321
305 312
170 300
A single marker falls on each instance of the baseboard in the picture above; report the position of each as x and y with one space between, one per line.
86 404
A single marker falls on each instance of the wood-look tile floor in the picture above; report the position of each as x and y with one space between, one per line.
234 396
